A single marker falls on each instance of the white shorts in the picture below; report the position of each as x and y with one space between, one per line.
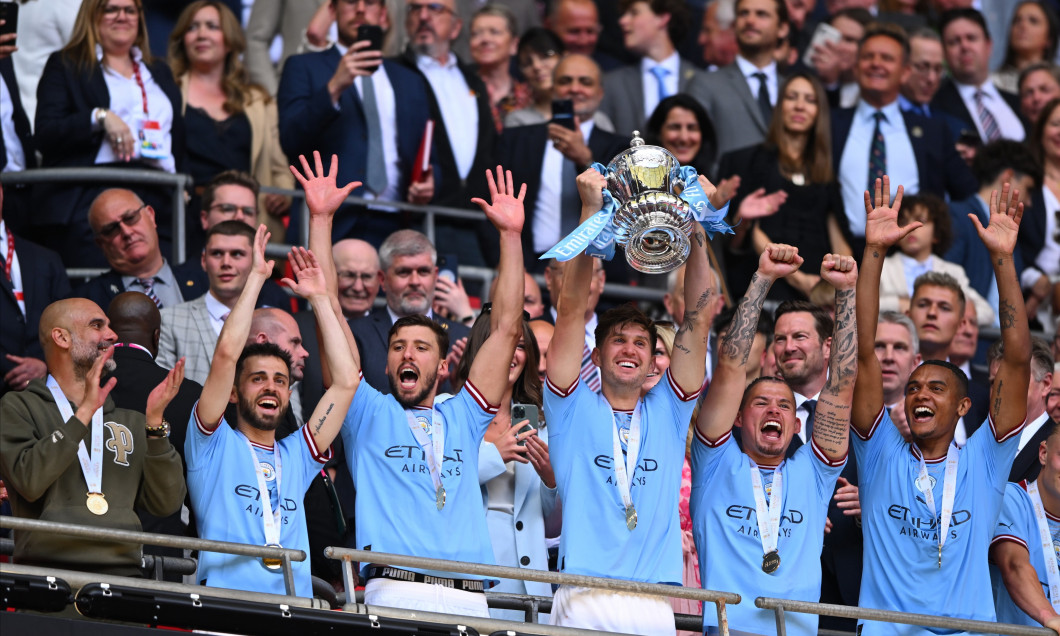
425 597
610 611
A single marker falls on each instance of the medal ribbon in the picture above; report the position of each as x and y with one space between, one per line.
1052 570
436 440
270 517
625 471
949 492
91 465
768 515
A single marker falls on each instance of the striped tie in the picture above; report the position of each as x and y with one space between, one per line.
149 288
877 152
990 128
590 373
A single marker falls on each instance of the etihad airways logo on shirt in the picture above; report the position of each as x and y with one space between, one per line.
252 498
920 524
414 460
747 520
645 466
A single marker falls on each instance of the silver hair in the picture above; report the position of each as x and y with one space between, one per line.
898 318
405 243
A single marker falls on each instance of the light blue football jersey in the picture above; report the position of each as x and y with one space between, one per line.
1017 523
224 495
725 526
396 510
595 539
901 570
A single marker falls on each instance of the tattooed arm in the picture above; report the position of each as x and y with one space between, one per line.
1008 394
831 426
688 360
881 232
722 401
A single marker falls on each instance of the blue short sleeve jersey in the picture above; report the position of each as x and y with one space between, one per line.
224 494
595 539
901 569
725 527
396 510
1017 523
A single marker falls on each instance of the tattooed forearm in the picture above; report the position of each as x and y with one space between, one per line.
738 338
996 409
1006 312
831 424
323 418
842 366
699 238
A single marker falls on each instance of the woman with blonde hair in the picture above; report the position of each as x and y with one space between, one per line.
232 123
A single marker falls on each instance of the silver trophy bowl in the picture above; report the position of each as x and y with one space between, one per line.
652 224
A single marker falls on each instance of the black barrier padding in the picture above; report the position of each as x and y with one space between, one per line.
37 593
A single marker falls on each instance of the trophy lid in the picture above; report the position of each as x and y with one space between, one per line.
643 154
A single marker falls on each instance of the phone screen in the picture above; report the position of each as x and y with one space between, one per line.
563 113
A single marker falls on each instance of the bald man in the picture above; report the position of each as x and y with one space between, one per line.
48 425
279 328
357 267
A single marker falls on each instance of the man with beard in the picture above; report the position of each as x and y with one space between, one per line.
779 556
802 344
930 508
616 436
415 465
408 276
245 485
63 437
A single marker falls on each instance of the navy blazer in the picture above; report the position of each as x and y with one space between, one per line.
309 121
43 282
522 150
948 100
371 332
449 188
941 169
1031 238
66 97
18 116
1026 465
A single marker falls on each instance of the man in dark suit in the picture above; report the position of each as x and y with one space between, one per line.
137 323
651 29
408 274
961 350
33 278
968 94
1039 424
343 101
548 157
740 97
877 137
16 142
1037 250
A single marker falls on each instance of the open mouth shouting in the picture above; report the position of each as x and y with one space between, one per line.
408 376
923 414
771 430
269 405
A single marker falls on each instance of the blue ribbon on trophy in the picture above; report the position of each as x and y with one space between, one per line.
595 236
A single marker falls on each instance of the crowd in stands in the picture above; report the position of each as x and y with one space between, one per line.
849 398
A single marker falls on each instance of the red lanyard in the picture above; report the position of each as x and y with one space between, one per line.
140 83
10 254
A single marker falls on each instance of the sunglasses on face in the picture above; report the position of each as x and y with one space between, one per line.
129 219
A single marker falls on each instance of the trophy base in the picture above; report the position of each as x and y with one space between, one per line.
654 230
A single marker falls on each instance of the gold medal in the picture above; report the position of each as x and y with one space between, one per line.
270 562
97 504
439 497
770 562
631 517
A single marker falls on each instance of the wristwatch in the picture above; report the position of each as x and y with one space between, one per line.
159 432
101 116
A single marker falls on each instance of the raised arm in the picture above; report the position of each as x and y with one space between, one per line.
1021 580
831 426
568 341
218 386
881 232
328 414
489 371
1008 394
722 402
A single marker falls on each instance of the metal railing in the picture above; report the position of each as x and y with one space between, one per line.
719 599
780 606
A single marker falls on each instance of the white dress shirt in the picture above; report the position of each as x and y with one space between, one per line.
16 158
459 110
749 70
854 163
547 212
1048 260
672 65
803 413
1031 429
217 310
1008 122
127 102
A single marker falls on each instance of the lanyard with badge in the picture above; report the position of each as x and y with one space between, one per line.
152 141
949 492
270 517
433 449
1052 570
624 471
91 465
768 516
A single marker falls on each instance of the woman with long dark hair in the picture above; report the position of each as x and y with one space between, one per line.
681 125
788 189
1032 37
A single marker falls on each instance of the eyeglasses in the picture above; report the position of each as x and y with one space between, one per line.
231 209
129 219
433 8
111 12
